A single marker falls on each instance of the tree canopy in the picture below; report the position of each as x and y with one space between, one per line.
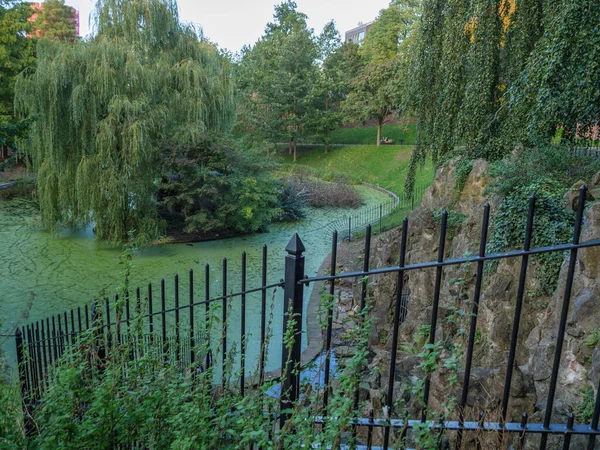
488 74
108 107
55 20
17 52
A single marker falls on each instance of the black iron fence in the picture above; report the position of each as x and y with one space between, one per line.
180 323
592 151
40 344
351 224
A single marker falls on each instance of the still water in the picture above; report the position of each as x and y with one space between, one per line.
59 272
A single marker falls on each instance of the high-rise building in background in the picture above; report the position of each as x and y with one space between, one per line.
358 34
39 7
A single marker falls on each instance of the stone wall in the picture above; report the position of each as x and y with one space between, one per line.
580 363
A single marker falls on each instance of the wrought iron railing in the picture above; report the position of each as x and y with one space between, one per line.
41 344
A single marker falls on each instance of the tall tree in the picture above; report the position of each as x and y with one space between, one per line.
330 85
374 94
392 27
17 52
276 76
559 86
473 82
144 83
55 20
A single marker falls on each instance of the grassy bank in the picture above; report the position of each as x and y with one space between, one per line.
368 135
385 166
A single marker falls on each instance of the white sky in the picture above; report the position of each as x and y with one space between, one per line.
234 23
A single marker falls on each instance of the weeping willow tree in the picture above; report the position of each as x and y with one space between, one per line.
108 106
468 57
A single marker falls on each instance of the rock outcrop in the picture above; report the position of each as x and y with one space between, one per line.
537 337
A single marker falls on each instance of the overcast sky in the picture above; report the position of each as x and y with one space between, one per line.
234 23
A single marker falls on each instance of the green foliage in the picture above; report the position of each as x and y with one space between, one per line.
374 94
552 225
275 77
14 131
392 27
488 75
11 435
462 171
329 88
55 21
454 221
17 52
585 409
593 338
110 105
125 402
214 187
560 83
540 162
291 203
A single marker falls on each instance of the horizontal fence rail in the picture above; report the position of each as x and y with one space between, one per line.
351 224
181 329
592 151
461 427
177 331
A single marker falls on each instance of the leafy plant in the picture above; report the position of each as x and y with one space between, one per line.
541 162
462 171
552 225
585 409
593 338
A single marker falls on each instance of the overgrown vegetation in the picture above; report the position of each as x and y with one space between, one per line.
552 225
541 162
490 75
116 102
215 187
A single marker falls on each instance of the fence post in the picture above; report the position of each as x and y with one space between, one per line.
27 413
380 216
98 335
349 228
293 299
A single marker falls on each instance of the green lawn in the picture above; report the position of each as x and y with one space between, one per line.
368 135
385 166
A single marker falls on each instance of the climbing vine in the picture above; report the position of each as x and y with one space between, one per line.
552 225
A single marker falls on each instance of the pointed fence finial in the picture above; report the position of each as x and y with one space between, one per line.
295 246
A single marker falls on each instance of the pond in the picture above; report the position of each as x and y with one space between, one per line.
62 271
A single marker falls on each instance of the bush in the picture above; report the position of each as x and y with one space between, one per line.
216 187
292 203
530 165
135 399
321 194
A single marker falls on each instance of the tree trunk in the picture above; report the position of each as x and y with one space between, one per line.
378 134
291 144
295 152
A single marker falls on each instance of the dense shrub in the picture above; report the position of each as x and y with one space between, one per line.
292 202
145 402
215 186
530 165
